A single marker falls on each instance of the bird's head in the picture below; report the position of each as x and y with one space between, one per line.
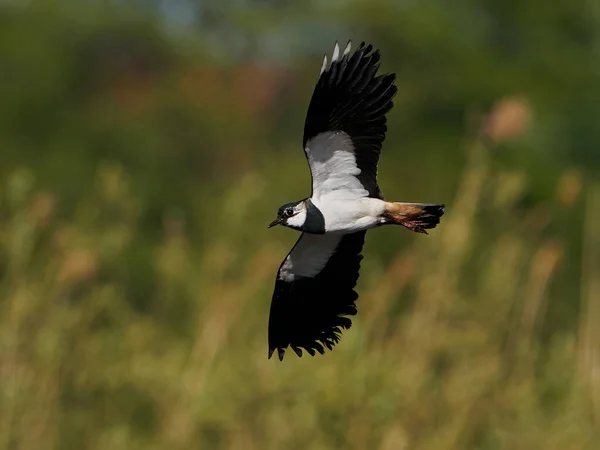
291 215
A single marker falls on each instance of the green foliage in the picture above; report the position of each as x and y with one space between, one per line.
140 168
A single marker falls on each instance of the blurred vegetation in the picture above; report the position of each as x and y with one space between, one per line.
143 150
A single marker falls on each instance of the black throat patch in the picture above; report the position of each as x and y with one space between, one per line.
315 222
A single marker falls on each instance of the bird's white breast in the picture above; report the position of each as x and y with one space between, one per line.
344 214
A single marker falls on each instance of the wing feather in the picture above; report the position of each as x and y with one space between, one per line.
349 99
310 312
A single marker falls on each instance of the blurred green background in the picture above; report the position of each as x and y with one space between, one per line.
145 146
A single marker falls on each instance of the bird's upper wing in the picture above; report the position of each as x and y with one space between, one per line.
346 124
313 291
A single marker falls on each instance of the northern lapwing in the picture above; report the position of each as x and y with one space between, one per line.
344 129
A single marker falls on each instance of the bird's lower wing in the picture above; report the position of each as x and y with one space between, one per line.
314 291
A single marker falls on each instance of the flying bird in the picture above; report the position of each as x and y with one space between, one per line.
344 129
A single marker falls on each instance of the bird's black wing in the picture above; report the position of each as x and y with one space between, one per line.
314 291
346 122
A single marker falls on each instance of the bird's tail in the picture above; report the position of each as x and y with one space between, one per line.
418 217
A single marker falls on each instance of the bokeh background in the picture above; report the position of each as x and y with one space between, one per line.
145 146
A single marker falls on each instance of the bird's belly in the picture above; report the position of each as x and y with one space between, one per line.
349 216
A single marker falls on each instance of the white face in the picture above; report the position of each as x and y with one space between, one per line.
295 216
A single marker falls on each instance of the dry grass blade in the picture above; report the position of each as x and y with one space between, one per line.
589 352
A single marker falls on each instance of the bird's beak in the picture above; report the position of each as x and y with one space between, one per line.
275 222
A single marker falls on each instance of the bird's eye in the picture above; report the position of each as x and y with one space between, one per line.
288 212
